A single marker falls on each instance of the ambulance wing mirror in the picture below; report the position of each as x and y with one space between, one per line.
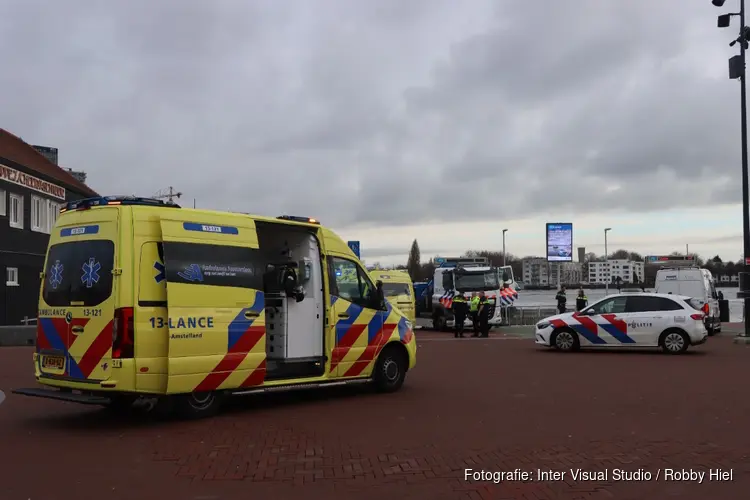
379 295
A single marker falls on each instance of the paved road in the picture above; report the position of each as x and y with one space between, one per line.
497 405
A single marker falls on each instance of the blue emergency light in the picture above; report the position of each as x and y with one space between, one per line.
101 201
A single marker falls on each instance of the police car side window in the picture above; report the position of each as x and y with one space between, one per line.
615 305
668 304
641 304
651 304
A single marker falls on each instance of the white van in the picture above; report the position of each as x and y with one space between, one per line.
696 283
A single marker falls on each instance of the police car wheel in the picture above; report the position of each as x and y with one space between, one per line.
439 323
390 370
565 340
197 404
674 341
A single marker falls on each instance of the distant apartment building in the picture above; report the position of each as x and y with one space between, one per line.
535 271
608 272
566 273
538 272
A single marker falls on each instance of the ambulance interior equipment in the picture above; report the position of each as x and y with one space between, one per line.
294 301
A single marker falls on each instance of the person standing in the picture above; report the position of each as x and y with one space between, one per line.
561 300
581 301
474 311
484 316
459 308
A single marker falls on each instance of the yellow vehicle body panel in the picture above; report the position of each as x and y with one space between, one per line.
196 327
399 290
74 327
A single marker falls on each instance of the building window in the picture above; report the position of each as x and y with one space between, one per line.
11 278
38 214
15 209
3 203
43 214
54 212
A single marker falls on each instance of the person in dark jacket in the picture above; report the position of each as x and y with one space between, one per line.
561 300
484 316
460 309
581 301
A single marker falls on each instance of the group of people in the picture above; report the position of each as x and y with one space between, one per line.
478 308
562 300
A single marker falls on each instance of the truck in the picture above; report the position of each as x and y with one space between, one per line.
468 275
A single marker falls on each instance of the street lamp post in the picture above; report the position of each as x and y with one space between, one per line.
504 231
606 260
737 71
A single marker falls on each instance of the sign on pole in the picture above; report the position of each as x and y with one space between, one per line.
354 246
559 242
670 259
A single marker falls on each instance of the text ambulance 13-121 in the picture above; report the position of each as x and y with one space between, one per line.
690 475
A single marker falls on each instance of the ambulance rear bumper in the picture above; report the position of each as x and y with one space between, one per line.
61 395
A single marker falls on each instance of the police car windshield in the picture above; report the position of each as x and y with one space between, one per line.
79 273
395 289
477 281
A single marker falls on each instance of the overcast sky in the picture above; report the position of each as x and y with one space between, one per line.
389 120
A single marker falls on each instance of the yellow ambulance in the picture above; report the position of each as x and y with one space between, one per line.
399 289
142 298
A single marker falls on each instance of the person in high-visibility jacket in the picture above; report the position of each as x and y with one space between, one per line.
474 311
459 307
581 301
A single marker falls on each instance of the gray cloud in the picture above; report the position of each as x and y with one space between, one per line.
368 113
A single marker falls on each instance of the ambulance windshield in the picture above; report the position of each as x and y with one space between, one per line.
396 289
477 281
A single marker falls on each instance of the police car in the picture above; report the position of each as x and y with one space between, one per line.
671 322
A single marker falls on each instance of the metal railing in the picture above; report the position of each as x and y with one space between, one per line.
527 315
26 321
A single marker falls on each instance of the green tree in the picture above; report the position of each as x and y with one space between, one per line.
413 265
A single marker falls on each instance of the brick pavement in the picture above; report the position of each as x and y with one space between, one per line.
507 405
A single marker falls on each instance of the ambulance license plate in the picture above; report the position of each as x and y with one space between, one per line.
53 362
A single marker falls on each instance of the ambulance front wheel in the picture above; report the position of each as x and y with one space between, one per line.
565 340
390 370
197 404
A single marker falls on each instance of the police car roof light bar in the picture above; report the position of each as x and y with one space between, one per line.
295 218
116 200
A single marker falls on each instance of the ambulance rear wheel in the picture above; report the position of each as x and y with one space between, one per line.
390 370
565 340
197 404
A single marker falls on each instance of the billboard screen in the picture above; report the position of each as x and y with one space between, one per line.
560 242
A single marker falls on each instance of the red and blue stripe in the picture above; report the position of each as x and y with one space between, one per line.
242 336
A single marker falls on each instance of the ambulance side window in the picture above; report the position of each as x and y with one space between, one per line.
216 265
349 282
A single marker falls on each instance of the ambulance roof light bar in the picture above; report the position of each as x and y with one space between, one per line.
116 200
295 218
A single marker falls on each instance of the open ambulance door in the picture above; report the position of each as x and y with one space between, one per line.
216 320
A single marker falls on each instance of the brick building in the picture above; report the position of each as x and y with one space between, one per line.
32 191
